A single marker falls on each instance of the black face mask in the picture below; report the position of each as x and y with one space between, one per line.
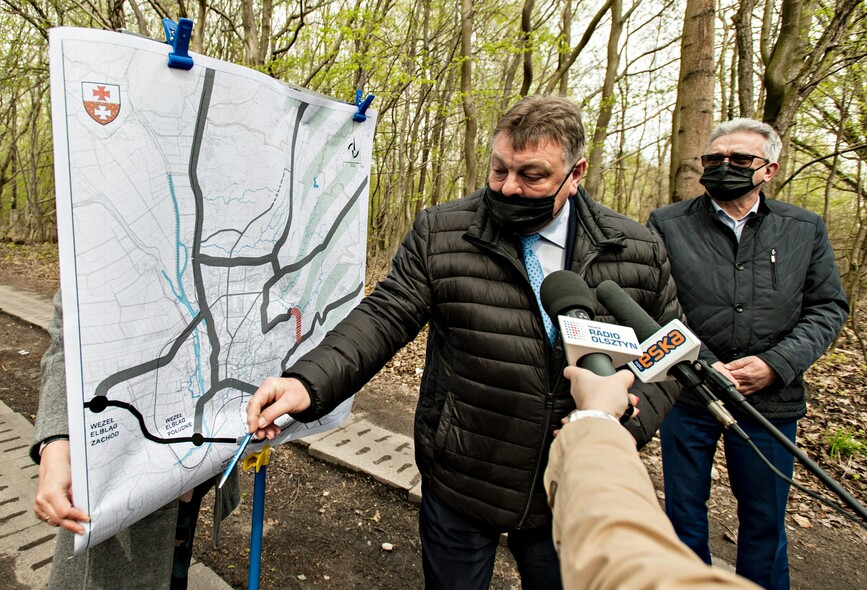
519 215
727 183
522 215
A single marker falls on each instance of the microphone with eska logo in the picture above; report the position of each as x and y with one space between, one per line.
669 351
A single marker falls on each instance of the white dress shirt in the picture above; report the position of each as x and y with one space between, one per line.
737 225
551 249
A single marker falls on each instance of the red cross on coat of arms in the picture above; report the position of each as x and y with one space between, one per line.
101 101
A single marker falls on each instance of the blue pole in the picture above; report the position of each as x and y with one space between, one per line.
259 462
256 529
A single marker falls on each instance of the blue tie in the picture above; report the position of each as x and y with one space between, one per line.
534 271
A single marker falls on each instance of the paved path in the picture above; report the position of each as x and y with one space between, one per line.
31 307
357 444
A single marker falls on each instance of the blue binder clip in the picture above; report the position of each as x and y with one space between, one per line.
178 36
362 105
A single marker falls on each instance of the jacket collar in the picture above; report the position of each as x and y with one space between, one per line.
593 219
764 205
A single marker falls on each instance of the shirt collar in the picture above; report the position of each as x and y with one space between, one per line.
557 232
722 213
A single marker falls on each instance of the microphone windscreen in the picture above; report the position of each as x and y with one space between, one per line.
563 291
625 310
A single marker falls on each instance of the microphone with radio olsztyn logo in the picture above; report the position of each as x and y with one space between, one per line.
595 346
668 351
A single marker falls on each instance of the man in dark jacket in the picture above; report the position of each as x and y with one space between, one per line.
492 392
759 286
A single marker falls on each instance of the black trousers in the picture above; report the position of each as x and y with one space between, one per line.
185 532
458 552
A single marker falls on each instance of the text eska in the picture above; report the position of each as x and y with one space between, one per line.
658 350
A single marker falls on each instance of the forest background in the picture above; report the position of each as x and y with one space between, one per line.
652 78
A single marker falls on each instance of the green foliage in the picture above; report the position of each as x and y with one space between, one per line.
846 444
406 52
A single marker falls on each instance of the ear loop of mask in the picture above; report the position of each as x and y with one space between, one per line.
562 184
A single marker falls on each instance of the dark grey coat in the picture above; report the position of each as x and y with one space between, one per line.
492 391
776 294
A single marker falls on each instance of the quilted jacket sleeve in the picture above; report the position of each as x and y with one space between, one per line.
657 399
360 345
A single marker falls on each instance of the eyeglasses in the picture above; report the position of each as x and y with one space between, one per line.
742 160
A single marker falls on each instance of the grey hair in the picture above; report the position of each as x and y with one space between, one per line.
773 143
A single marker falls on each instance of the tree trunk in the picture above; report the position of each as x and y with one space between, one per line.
855 254
843 105
141 20
567 43
693 111
600 133
471 123
526 47
34 228
115 14
744 35
794 69
11 164
251 33
265 31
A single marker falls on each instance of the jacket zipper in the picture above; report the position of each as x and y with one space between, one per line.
537 468
774 267
549 406
549 394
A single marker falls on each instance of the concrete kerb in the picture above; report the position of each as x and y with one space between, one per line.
29 542
33 308
362 446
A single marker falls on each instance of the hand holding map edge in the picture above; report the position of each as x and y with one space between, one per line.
53 502
275 397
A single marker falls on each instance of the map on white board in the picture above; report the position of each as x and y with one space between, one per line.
212 227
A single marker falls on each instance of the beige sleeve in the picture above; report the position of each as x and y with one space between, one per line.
608 526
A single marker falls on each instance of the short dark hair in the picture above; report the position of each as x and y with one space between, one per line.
534 119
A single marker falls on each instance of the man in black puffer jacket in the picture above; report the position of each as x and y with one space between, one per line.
759 285
492 392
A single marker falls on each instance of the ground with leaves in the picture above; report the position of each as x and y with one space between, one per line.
330 528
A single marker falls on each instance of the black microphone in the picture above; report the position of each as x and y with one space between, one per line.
628 312
565 293
679 351
590 345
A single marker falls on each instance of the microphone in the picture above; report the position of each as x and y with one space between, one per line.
669 351
626 311
595 346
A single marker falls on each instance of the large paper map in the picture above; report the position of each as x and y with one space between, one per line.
212 228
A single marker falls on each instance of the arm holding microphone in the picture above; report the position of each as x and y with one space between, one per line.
608 527
676 360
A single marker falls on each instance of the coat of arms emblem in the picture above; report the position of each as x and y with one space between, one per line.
101 101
